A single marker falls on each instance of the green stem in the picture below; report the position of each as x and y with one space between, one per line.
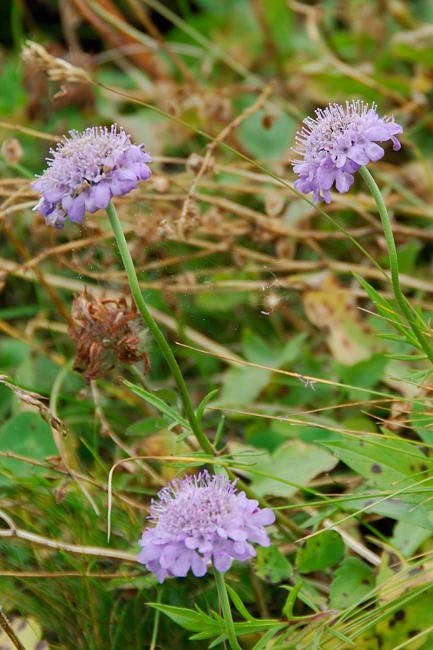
226 611
23 171
393 262
156 621
154 328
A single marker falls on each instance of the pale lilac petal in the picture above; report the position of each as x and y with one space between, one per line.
238 534
258 535
222 562
326 177
74 207
182 564
326 196
343 182
98 197
149 553
263 517
374 151
198 566
358 154
191 542
169 554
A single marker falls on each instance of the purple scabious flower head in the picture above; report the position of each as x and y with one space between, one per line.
199 519
337 143
86 170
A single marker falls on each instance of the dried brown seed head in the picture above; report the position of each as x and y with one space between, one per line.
12 151
36 55
106 332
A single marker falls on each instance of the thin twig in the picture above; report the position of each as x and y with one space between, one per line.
103 553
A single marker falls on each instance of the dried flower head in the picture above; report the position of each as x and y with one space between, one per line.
35 55
105 331
12 151
86 170
199 519
337 143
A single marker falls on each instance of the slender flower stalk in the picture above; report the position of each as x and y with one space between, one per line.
411 316
226 611
154 328
84 172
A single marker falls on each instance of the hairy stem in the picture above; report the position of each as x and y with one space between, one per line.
411 317
154 328
226 611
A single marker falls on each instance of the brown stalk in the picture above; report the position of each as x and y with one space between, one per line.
4 623
115 37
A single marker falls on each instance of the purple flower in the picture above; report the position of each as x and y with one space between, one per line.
86 170
338 142
198 519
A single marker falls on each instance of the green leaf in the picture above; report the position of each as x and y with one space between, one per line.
295 463
205 401
26 434
271 565
189 619
406 622
386 309
320 552
159 404
149 426
257 350
291 599
353 580
408 538
266 143
12 353
243 384
237 602
411 508
365 374
383 462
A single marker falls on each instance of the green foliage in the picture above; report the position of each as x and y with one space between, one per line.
289 467
25 434
320 552
272 566
244 383
353 581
